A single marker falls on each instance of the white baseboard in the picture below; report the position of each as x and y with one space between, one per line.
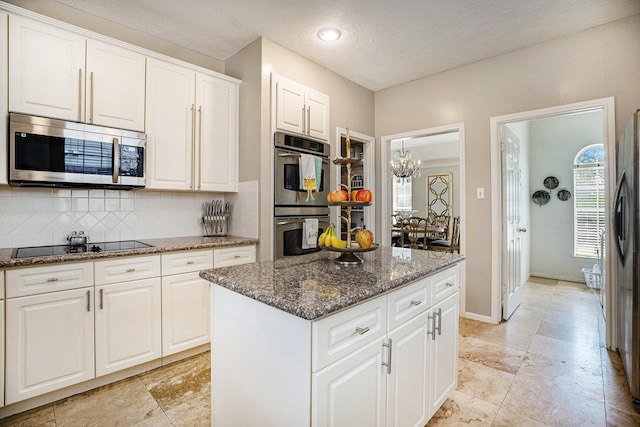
479 317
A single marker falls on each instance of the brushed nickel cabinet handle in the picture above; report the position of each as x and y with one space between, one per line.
193 143
130 270
199 184
388 363
439 328
88 300
79 94
101 299
309 120
433 327
304 121
91 95
362 331
450 285
416 303
189 262
52 279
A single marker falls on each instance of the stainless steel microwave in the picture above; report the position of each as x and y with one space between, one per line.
56 153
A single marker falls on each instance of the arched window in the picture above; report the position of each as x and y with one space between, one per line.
588 200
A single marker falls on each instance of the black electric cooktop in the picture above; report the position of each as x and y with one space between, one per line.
68 249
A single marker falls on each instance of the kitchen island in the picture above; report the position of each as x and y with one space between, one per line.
304 341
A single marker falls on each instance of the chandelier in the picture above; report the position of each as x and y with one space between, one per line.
403 168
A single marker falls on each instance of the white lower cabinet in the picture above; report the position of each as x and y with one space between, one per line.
186 305
49 342
128 324
351 392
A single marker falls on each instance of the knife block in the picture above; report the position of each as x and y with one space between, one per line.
215 225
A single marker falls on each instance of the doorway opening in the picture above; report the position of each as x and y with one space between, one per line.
545 179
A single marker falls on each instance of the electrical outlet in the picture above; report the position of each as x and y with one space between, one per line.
480 193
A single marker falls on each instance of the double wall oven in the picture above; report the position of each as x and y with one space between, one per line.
291 209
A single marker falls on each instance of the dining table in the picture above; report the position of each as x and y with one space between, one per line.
405 233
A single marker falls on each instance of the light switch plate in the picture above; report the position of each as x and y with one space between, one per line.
480 192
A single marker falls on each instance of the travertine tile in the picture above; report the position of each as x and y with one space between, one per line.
507 418
179 382
461 409
42 416
617 417
542 281
126 402
489 354
484 383
568 351
537 401
193 412
157 418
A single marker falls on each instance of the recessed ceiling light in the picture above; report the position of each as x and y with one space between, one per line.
329 34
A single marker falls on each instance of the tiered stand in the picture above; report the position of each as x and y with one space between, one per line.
349 255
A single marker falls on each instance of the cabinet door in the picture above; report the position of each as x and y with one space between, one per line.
186 310
115 86
46 70
4 96
128 324
1 353
444 351
170 126
352 391
49 342
217 134
317 105
408 384
290 106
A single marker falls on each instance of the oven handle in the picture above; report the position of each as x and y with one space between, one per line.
289 155
300 221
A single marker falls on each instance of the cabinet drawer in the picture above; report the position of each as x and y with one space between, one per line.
50 278
186 262
126 269
347 331
445 283
233 256
404 303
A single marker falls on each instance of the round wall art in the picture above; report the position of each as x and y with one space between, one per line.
551 182
564 195
541 197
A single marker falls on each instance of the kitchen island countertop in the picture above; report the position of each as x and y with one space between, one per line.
312 286
158 245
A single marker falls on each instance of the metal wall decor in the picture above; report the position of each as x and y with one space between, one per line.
542 197
439 194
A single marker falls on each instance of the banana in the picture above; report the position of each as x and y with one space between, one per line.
323 236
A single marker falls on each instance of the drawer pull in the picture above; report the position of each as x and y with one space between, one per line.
130 270
362 331
52 279
416 303
237 256
189 262
450 285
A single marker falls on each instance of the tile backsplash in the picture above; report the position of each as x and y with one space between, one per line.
42 216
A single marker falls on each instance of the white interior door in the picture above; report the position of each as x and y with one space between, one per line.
512 247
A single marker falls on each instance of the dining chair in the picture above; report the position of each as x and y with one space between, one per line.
397 221
449 245
417 231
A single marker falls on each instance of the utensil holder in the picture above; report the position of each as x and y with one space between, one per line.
215 225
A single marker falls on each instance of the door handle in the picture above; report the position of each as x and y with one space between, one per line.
522 230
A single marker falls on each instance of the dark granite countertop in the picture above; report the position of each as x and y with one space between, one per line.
312 286
169 244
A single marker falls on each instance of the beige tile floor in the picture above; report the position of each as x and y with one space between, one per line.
546 366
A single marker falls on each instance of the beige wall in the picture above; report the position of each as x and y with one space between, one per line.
72 16
598 63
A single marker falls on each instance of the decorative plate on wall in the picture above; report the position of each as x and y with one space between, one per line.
551 182
541 197
564 195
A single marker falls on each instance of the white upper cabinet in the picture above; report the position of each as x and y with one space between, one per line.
57 73
192 129
217 134
300 109
4 90
115 86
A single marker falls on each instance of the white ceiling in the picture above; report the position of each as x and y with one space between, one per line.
384 42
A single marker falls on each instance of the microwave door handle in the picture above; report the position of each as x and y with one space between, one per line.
116 160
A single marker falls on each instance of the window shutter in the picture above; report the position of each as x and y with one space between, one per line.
589 209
